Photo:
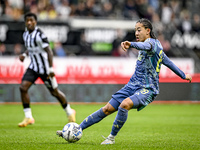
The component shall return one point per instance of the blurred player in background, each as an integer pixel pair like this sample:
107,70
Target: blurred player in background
142,87
41,66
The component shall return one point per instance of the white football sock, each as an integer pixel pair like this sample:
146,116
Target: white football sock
68,110
28,113
111,136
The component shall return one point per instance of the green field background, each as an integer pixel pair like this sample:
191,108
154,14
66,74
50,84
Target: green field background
157,127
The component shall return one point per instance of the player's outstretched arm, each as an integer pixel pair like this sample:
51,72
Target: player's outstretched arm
167,62
125,45
188,77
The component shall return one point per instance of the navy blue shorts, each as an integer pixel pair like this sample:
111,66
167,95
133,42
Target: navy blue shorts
141,97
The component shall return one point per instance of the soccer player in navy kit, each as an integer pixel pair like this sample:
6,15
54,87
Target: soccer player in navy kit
41,66
142,87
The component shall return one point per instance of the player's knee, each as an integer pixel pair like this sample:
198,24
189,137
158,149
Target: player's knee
108,110
23,89
127,104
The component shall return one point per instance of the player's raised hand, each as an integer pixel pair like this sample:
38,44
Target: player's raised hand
125,45
188,77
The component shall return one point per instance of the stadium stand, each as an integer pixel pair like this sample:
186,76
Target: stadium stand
177,24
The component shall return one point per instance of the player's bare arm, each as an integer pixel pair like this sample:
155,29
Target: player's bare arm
50,59
125,45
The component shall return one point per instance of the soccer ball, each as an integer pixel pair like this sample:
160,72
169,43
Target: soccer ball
72,132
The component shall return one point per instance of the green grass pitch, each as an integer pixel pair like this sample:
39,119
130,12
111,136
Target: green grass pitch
157,127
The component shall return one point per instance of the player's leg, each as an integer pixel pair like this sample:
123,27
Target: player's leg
108,109
97,116
52,85
71,113
119,121
27,80
139,100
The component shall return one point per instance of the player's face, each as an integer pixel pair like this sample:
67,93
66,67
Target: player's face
30,23
141,32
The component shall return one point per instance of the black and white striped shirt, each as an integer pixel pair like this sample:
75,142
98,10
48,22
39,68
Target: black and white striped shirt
35,43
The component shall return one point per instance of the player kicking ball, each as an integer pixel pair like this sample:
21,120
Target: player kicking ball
143,86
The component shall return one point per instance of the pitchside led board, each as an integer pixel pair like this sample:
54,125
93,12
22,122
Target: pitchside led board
92,79
87,70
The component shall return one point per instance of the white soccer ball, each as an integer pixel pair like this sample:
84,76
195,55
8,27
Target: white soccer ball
72,132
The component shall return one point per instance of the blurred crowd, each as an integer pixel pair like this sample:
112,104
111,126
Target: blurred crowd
166,15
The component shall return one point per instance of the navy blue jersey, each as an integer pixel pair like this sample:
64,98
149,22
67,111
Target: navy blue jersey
148,65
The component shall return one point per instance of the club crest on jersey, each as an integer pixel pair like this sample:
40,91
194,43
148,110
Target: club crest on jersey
140,56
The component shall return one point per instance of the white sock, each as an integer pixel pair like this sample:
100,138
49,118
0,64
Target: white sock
111,136
28,113
68,110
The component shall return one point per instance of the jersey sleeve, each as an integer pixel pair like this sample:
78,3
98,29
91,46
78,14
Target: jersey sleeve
141,45
42,40
24,38
167,62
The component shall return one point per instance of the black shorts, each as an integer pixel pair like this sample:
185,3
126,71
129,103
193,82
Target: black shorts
32,76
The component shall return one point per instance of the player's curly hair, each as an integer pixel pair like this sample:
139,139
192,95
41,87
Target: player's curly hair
147,24
29,14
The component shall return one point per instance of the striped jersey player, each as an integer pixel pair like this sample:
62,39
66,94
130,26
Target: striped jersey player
41,66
